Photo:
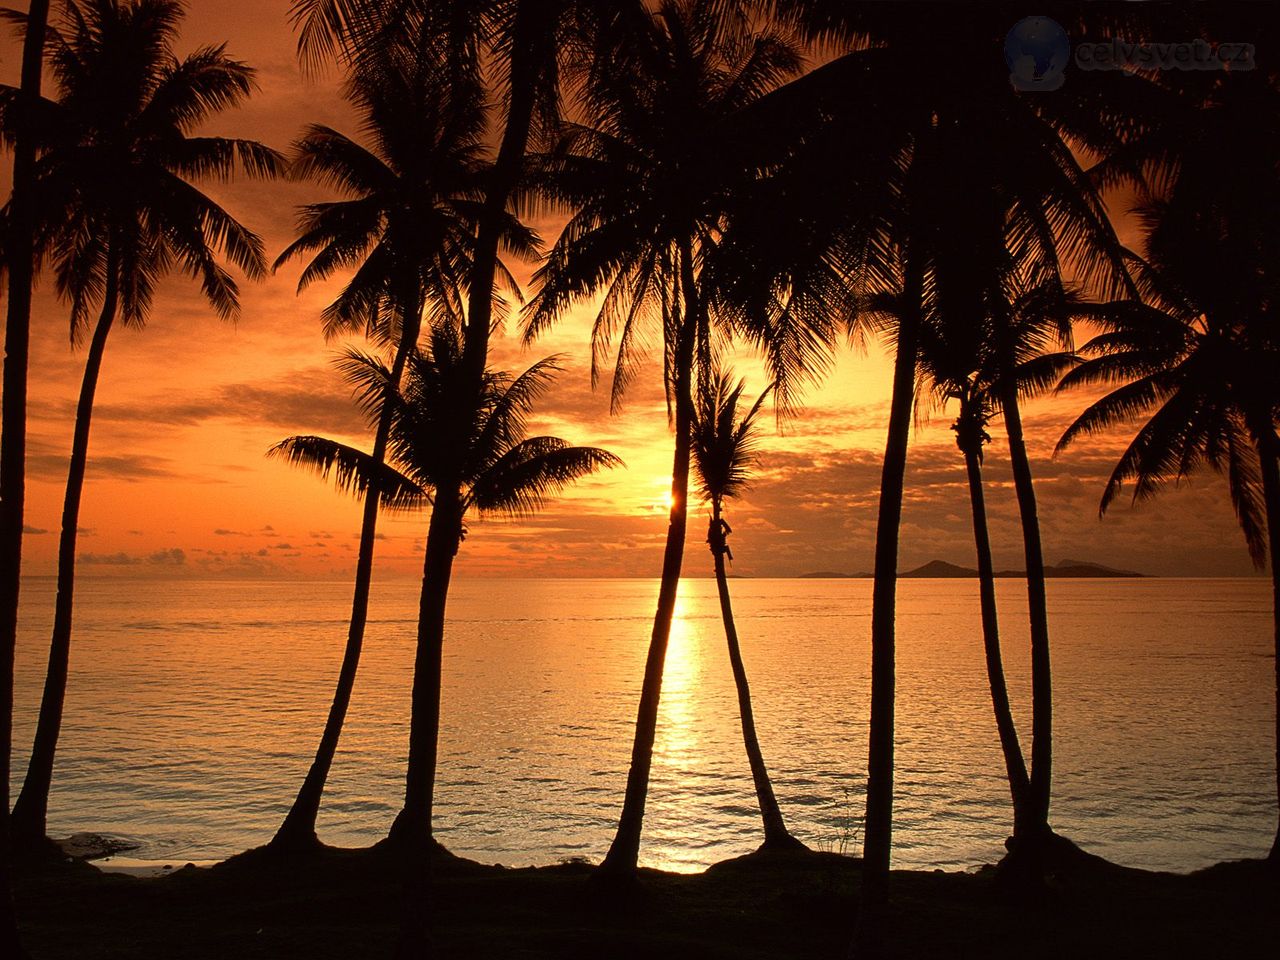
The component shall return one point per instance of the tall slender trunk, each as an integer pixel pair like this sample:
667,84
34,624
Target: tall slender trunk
624,852
878,828
1269,457
529,47
775,830
1015,764
412,827
298,831
411,835
20,249
1041,672
31,810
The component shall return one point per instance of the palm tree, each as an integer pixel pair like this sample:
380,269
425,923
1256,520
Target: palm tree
407,231
1202,375
723,454
1198,354
524,41
461,456
975,167
960,362
650,184
120,214
20,262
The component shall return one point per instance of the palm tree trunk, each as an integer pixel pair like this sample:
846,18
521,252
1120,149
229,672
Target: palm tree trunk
413,825
620,862
776,834
878,831
32,807
1015,764
298,831
1269,458
411,833
529,42
1041,672
13,428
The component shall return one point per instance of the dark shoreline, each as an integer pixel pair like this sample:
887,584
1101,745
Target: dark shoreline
345,903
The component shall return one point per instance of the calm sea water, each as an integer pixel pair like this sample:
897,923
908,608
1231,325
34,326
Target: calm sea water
194,708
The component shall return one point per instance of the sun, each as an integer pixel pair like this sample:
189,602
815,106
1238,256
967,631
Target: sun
660,500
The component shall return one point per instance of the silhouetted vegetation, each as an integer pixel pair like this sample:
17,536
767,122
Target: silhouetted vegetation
731,175
117,213
723,453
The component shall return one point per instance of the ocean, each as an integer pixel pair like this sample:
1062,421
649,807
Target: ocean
194,708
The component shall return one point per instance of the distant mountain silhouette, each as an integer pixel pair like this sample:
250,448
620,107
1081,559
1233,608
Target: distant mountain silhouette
939,570
942,570
1083,568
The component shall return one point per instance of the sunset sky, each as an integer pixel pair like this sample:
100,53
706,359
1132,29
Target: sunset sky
179,485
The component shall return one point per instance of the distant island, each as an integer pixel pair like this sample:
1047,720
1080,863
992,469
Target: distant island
942,570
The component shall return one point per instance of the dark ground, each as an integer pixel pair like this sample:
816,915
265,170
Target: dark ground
346,904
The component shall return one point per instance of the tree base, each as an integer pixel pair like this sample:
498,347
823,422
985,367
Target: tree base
783,843
36,850
291,842
1042,861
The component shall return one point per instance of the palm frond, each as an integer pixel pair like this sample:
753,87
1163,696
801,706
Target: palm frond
519,482
352,471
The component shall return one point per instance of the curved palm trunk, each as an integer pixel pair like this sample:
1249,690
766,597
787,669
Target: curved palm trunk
878,829
412,826
776,834
1041,672
13,433
1269,458
298,831
1015,764
529,41
624,852
32,807
411,834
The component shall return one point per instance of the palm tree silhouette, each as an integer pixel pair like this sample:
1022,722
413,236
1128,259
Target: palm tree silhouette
525,42
1202,374
723,454
968,167
1197,356
119,213
649,184
959,361
407,233
19,260
460,454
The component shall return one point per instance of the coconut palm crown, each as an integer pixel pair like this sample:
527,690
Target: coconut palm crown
438,438
724,443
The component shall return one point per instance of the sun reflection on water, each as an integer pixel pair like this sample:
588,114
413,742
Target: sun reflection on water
678,736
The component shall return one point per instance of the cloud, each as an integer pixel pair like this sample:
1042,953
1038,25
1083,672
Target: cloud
120,559
308,400
33,531
52,466
169,557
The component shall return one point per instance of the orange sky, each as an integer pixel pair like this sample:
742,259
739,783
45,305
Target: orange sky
178,484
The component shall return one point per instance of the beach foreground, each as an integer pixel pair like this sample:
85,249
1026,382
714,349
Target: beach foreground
345,903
